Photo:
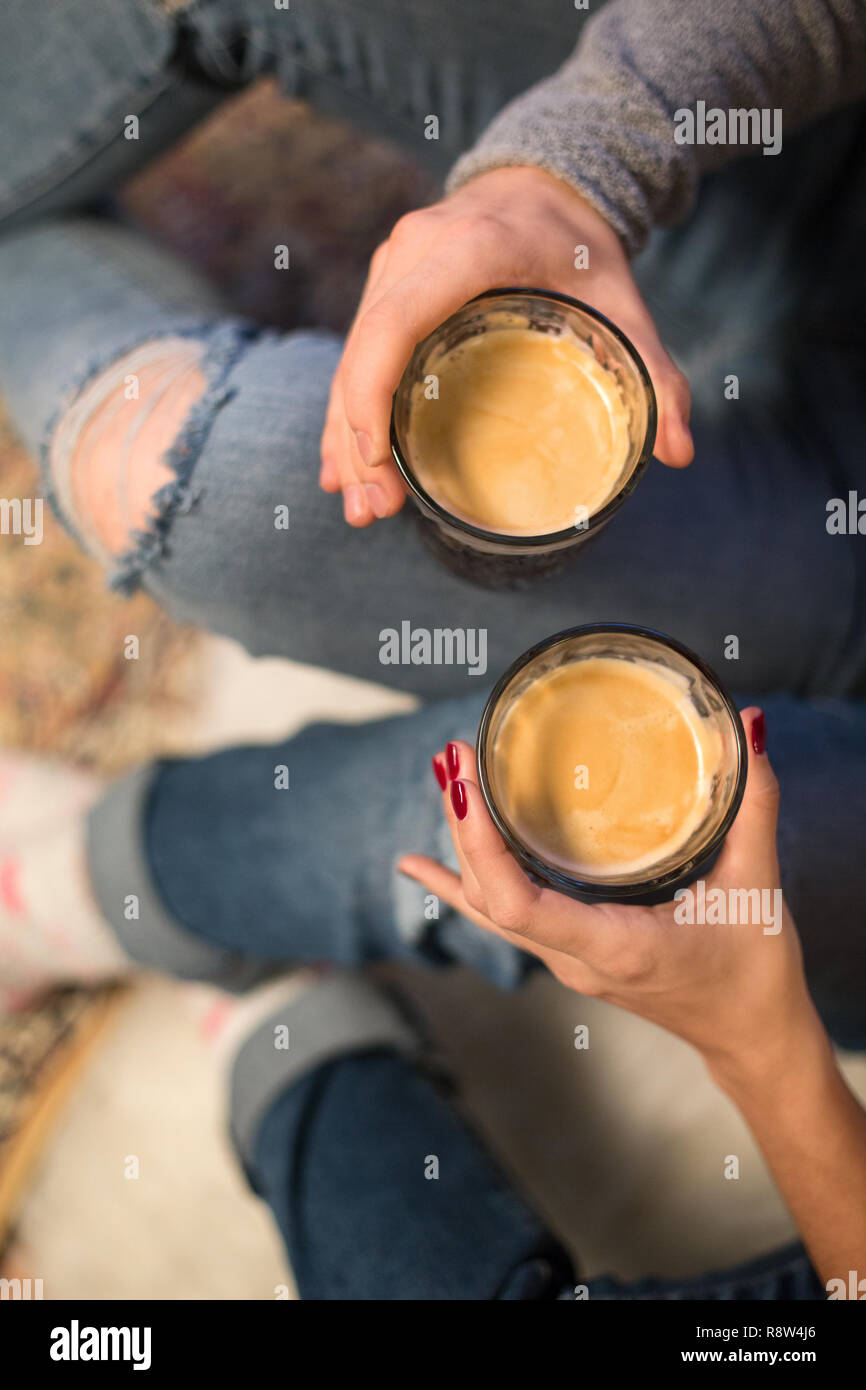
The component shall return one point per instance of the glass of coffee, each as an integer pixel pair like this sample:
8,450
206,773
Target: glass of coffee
521,424
613,763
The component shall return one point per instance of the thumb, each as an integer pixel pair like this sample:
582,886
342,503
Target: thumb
752,838
673,443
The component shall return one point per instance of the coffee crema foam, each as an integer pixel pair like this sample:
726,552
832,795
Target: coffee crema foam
629,732
528,434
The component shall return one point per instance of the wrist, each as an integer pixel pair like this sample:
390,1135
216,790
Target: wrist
539,187
795,1053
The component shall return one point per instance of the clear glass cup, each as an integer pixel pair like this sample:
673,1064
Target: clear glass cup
708,699
504,559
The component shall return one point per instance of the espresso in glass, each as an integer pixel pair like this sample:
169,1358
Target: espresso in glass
613,762
520,426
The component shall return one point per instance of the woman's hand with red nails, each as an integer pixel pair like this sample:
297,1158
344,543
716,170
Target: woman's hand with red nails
735,991
516,226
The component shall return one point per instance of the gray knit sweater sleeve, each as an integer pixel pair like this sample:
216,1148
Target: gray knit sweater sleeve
605,122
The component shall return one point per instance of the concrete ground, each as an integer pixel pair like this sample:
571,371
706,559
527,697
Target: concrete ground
623,1146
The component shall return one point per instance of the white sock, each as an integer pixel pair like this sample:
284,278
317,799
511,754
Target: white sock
224,1020
51,930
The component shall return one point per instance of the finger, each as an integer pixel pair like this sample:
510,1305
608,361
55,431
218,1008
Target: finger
369,494
461,771
366,496
459,759
508,895
384,488
338,472
442,765
615,292
563,930
329,475
751,841
673,443
504,891
445,884
356,506
448,886
393,324
332,438
559,924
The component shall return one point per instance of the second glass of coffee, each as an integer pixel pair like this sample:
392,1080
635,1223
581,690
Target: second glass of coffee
613,762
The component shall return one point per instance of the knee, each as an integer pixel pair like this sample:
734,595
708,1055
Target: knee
107,455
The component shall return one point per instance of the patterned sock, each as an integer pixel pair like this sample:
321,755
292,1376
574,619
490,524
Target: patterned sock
224,1020
51,930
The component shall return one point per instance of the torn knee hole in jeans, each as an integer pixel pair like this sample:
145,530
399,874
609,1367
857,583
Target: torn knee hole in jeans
120,455
107,451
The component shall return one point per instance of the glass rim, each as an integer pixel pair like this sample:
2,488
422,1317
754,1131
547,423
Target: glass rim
571,884
547,538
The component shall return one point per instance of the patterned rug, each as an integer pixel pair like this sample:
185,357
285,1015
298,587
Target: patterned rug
263,171
42,1052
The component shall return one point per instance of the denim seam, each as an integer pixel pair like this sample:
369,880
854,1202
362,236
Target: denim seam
87,145
709,1284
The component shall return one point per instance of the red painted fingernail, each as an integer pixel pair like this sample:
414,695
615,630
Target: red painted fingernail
452,753
759,733
459,800
440,773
